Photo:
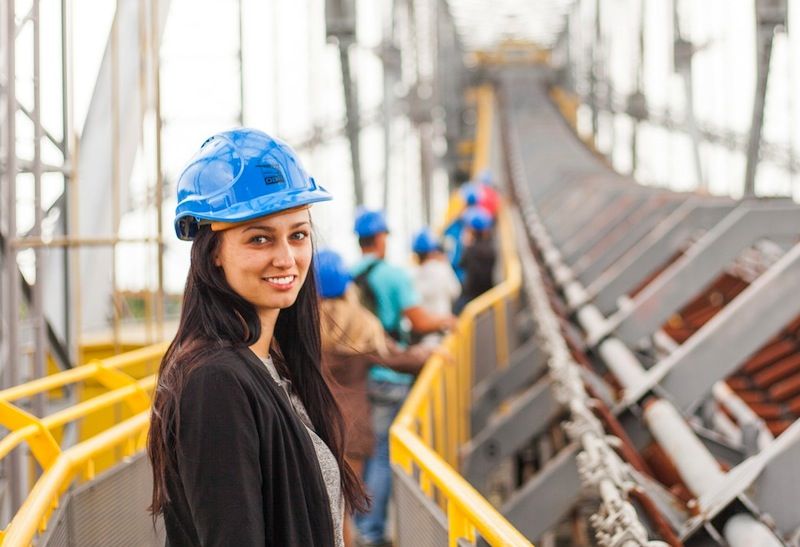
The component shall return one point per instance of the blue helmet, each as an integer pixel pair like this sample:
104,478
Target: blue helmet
240,175
485,177
477,218
368,223
425,242
332,274
471,192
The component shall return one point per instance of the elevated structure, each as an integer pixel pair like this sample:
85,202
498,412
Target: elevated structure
633,378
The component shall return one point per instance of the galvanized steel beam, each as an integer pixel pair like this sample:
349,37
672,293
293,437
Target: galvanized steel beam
701,263
593,264
602,225
558,483
527,417
724,343
527,363
655,249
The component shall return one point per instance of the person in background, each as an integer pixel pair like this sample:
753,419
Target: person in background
490,198
468,195
352,340
434,279
479,256
388,291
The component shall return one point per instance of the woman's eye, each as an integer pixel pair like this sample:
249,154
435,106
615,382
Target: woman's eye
259,239
300,235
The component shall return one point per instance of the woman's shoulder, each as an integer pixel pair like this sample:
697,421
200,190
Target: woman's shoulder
221,364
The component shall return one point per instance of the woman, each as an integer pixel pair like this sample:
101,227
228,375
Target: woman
353,340
246,442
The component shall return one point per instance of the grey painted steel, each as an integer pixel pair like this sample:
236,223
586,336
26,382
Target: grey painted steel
419,521
653,251
526,364
725,342
546,498
777,489
718,445
590,228
767,482
568,219
484,346
700,265
527,417
588,268
769,14
96,513
622,209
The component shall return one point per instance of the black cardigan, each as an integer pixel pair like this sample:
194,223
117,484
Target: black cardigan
247,470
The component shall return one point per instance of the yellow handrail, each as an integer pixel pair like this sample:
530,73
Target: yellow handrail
43,498
434,420
59,466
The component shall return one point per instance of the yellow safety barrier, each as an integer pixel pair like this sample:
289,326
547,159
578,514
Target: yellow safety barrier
59,467
434,420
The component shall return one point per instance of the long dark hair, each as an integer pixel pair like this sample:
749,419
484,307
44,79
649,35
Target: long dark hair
214,316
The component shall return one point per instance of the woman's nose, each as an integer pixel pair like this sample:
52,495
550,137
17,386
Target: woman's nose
284,256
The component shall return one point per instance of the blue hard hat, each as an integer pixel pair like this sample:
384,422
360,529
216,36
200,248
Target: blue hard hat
368,223
425,242
485,177
332,274
477,218
240,175
471,192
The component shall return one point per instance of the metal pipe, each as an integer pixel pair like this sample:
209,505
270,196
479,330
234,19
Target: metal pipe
743,530
66,149
70,241
144,63
155,51
743,413
764,38
115,177
37,298
353,125
697,467
240,57
11,373
619,359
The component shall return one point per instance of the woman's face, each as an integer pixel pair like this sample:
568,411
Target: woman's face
266,261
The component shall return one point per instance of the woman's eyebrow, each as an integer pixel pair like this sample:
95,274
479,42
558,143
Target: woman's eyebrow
271,229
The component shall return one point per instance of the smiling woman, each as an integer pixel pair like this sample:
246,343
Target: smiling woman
246,441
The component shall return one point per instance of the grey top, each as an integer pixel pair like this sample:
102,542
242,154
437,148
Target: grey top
327,462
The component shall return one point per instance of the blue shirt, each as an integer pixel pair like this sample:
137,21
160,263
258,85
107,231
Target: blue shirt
394,293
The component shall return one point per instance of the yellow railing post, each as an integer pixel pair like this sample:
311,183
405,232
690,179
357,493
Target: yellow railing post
44,447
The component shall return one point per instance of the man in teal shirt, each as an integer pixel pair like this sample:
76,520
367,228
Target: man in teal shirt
389,292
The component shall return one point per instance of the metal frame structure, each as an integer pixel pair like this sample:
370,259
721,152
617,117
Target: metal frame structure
662,387
48,317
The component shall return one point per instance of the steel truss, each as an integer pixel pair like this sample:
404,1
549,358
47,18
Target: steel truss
623,260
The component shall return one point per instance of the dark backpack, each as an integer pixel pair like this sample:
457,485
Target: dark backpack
365,291
368,298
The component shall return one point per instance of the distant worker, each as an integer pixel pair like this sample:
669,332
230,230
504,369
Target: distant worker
479,255
490,198
389,291
468,195
246,440
352,340
435,280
